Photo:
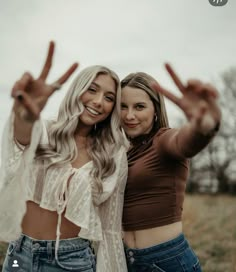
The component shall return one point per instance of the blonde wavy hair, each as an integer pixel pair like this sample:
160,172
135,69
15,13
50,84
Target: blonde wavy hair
107,138
144,82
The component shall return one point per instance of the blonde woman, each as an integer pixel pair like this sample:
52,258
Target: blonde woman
62,181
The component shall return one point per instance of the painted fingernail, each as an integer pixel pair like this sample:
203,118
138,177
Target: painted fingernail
20,97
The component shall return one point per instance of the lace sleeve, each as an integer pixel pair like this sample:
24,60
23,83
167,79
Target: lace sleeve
110,254
14,175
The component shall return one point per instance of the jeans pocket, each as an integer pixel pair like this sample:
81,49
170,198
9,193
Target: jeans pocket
78,260
189,261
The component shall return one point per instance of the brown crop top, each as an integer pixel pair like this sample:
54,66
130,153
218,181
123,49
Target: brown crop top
156,182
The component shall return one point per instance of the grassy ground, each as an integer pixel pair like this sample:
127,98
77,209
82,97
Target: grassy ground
210,226
3,248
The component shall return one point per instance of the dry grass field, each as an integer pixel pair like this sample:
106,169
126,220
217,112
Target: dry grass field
210,226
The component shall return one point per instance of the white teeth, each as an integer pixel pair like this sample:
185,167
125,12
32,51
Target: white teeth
92,111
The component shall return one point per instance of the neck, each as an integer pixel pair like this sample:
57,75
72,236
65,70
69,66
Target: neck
82,131
142,138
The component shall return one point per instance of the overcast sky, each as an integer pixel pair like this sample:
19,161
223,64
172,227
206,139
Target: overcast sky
125,35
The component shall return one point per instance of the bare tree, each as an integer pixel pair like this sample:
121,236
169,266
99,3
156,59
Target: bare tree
215,167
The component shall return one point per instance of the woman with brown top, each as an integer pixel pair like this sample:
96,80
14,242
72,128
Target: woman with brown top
158,169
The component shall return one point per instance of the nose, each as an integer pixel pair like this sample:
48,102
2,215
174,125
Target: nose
98,100
130,115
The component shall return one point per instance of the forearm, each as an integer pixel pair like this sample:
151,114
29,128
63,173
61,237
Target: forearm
191,141
22,128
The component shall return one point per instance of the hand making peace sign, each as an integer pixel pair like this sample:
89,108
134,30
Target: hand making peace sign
32,94
198,102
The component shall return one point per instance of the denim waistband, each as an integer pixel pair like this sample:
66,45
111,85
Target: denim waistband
50,245
165,249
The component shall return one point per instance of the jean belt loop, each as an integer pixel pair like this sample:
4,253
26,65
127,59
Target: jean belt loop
19,243
49,250
93,246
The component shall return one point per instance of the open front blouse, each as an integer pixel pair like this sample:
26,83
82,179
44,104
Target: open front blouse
22,178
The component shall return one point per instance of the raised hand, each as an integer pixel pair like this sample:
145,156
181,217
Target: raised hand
32,94
198,102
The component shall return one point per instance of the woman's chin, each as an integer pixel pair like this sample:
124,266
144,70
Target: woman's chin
132,134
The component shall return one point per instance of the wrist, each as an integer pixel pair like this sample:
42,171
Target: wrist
209,127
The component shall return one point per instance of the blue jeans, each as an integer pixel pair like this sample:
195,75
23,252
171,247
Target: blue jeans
30,255
172,256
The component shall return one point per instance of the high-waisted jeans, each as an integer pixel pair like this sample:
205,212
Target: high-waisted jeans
30,255
172,256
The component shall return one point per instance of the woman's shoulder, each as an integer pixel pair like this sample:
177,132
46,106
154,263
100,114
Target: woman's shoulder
120,158
46,125
164,134
165,131
119,151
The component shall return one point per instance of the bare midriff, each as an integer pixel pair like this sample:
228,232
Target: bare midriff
41,224
153,236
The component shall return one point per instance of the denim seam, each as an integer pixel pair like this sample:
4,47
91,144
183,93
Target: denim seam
196,265
163,251
166,259
44,249
9,253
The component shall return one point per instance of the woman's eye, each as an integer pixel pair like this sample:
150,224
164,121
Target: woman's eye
139,107
123,106
92,90
110,98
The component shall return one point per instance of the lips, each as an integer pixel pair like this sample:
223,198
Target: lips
131,125
92,111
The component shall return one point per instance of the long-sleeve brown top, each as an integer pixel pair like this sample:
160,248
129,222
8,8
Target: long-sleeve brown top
157,176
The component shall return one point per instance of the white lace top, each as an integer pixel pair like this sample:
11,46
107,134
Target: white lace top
21,179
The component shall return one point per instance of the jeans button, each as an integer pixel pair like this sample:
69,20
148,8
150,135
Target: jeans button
131,260
131,253
36,246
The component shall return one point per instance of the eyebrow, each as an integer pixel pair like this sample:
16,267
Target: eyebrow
135,104
98,86
142,103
